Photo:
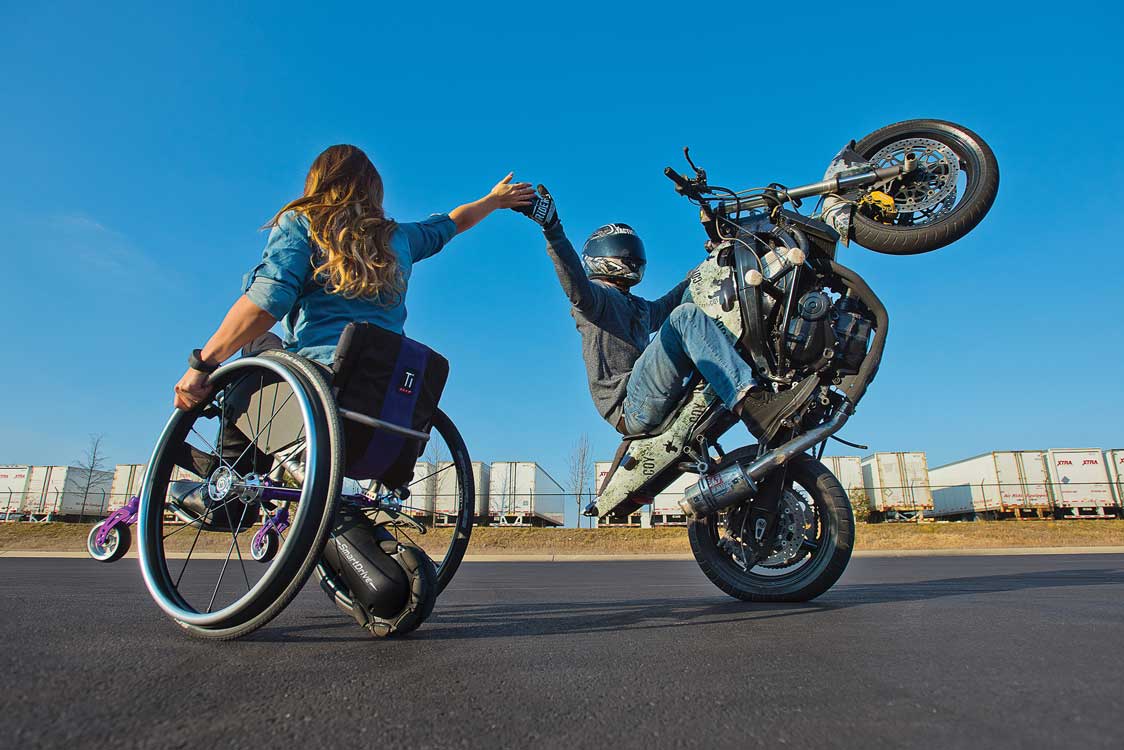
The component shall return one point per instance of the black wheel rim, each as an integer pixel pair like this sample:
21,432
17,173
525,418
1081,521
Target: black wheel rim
815,550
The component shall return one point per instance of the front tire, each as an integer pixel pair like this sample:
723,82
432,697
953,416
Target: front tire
117,543
267,550
932,227
800,579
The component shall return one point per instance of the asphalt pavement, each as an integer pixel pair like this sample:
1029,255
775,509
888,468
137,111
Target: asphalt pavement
943,652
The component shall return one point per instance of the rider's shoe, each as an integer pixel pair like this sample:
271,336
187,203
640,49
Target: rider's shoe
753,410
192,502
765,412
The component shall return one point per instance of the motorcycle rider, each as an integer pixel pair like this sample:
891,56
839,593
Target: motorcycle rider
636,380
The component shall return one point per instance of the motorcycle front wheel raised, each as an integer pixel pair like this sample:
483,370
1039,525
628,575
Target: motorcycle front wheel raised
950,192
815,536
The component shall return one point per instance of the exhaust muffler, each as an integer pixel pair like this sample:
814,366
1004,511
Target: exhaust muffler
738,482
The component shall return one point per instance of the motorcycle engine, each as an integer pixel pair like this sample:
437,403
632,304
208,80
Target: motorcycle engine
823,333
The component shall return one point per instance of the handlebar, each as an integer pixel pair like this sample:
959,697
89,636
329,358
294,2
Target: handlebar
683,186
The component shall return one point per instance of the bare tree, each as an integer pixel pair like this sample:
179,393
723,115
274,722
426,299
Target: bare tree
581,470
505,482
93,462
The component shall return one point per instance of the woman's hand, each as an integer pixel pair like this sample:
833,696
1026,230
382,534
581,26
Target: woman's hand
192,390
508,194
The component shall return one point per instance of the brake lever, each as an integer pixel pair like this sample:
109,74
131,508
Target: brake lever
700,174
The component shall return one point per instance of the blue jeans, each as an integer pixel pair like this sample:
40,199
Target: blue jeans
688,341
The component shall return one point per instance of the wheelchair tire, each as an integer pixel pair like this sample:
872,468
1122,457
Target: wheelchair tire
282,578
466,508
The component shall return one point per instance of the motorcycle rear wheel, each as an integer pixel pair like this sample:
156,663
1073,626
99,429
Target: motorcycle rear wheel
823,559
907,233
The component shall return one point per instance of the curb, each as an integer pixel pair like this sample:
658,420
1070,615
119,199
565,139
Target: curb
550,558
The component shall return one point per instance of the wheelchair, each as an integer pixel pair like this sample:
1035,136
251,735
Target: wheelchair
267,503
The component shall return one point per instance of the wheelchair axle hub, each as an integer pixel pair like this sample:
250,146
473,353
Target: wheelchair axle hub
220,483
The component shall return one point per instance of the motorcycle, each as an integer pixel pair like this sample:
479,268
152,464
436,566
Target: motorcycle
769,522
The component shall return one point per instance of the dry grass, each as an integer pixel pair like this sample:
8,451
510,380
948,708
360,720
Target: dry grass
500,541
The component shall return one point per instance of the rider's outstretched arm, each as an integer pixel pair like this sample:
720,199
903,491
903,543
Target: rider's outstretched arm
587,297
506,194
582,293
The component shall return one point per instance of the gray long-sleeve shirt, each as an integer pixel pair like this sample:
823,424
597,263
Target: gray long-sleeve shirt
615,326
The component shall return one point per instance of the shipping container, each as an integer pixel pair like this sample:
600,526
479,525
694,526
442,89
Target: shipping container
1114,459
999,482
849,471
897,483
521,492
1079,482
66,491
13,485
127,481
445,491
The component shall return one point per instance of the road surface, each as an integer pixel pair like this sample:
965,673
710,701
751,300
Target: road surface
921,652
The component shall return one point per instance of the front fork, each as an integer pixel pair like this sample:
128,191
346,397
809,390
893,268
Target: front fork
275,523
126,515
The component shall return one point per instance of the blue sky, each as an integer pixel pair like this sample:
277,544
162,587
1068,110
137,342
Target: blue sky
144,146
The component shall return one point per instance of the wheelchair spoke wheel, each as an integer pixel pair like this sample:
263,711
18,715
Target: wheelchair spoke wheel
439,512
265,438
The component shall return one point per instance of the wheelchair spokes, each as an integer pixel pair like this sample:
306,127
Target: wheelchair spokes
221,470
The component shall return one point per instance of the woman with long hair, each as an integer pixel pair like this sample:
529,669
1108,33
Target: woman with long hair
333,257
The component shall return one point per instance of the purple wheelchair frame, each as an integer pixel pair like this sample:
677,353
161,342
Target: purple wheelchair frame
275,523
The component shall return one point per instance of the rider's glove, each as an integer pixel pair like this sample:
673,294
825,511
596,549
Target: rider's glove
542,209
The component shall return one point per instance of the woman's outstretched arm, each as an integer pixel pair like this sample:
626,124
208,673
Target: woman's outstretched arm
506,194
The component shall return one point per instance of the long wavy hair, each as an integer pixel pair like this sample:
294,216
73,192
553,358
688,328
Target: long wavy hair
343,203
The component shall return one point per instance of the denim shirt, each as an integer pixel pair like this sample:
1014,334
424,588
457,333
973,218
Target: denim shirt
312,319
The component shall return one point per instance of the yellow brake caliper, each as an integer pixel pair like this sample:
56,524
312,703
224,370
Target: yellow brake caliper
878,206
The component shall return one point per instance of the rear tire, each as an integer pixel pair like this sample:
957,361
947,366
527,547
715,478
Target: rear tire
976,158
282,578
799,584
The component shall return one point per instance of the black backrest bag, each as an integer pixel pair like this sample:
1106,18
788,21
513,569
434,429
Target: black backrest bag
387,376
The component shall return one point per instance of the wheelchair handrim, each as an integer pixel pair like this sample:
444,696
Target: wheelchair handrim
153,561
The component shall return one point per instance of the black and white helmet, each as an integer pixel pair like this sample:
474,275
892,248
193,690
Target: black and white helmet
615,252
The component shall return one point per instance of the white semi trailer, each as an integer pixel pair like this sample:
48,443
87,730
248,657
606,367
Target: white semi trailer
849,471
1080,483
13,486
446,492
521,493
420,502
992,484
665,506
1114,460
897,484
127,481
59,491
